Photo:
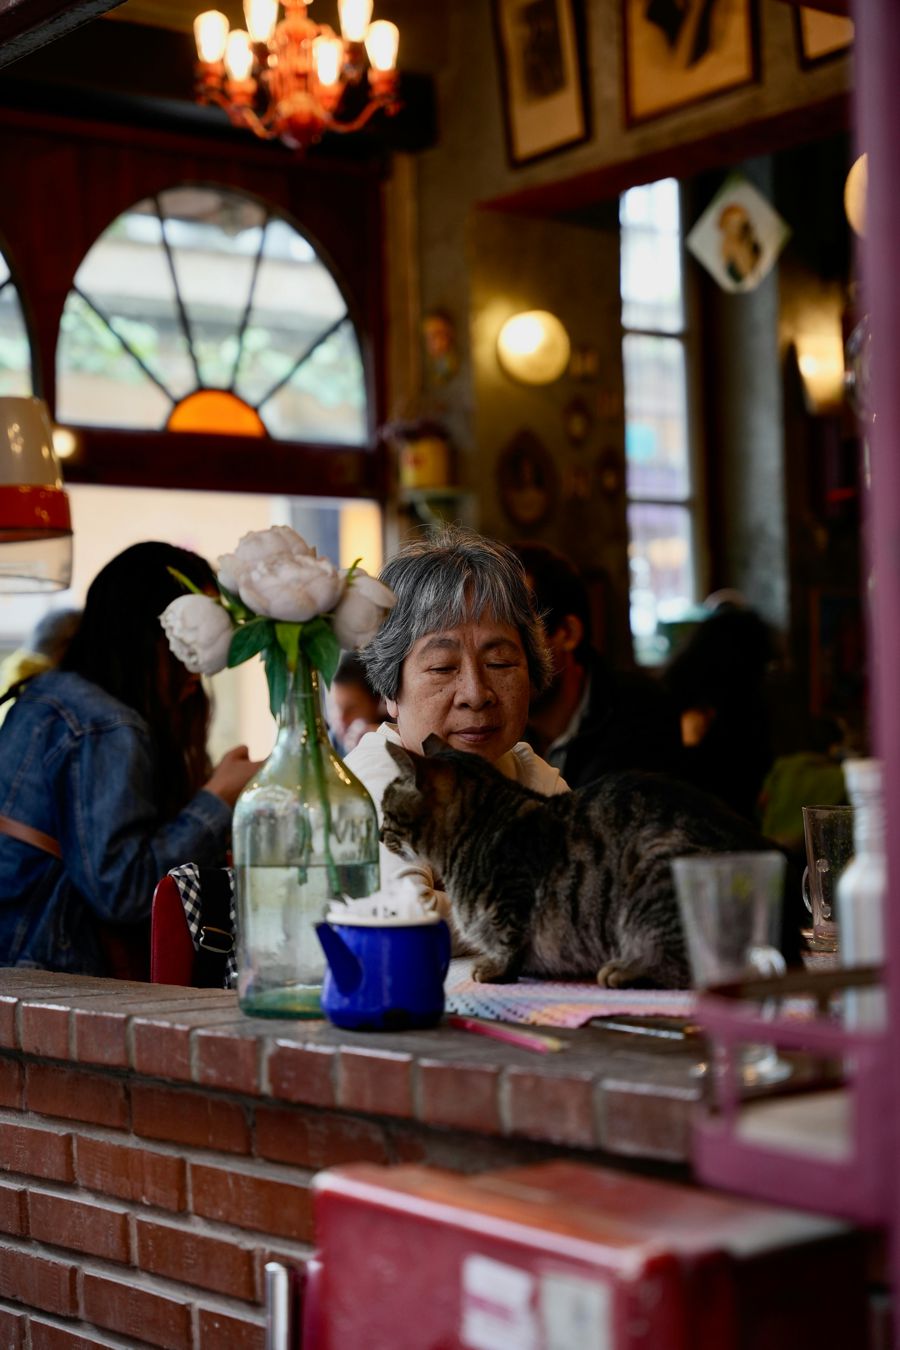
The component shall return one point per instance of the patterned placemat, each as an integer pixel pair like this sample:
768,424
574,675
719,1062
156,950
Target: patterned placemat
553,1003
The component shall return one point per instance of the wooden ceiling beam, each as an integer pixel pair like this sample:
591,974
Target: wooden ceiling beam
26,25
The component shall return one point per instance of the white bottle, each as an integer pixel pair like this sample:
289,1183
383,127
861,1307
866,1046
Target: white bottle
861,890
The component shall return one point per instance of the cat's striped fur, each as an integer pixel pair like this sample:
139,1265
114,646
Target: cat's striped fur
576,886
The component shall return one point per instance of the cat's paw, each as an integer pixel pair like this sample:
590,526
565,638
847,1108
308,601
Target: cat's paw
617,975
487,971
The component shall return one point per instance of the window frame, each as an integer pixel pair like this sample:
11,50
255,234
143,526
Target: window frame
88,173
695,501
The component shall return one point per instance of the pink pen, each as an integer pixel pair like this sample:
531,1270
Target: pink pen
528,1040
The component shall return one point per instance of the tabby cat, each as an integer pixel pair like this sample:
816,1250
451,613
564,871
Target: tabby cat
576,886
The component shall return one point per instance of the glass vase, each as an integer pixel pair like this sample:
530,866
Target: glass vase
305,833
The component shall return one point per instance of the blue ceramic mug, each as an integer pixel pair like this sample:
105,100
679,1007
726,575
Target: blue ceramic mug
384,974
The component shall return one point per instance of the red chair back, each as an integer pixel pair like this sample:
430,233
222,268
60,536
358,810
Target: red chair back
171,949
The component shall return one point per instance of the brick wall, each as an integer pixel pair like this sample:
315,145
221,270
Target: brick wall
156,1148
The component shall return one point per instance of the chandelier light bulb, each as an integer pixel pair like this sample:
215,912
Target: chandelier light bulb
239,55
329,58
382,45
211,35
286,76
261,17
355,16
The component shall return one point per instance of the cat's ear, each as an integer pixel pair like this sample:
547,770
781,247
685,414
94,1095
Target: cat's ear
403,759
433,745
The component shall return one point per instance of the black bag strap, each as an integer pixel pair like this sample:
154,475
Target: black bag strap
215,936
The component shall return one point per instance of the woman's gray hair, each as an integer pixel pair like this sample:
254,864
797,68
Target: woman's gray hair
446,580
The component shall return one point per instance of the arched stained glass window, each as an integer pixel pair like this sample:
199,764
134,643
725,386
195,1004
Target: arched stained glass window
15,348
201,310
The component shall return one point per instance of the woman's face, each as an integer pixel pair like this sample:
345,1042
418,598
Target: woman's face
469,684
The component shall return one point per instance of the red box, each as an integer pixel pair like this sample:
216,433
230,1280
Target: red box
563,1256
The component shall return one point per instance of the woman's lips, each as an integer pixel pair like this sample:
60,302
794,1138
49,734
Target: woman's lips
474,735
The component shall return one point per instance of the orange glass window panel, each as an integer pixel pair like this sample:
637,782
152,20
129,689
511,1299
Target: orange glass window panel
216,410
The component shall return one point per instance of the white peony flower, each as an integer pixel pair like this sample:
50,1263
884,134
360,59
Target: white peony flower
199,632
291,589
257,547
361,612
277,574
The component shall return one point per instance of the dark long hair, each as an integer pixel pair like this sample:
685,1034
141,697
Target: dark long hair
120,646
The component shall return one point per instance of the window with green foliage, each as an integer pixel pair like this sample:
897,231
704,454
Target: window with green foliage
200,309
15,348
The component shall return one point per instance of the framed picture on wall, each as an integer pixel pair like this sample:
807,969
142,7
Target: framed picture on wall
540,44
678,52
527,481
820,36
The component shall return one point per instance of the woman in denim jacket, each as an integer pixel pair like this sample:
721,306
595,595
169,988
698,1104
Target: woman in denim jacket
105,782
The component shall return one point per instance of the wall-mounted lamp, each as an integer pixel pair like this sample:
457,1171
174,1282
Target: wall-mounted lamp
35,524
855,191
820,358
533,347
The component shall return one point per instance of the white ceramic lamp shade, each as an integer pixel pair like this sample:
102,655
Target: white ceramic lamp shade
35,524
534,347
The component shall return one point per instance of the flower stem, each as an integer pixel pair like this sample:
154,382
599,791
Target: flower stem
309,692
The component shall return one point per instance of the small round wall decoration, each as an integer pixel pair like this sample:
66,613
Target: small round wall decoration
577,421
527,480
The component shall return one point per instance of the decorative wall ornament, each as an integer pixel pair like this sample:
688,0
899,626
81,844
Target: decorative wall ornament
739,236
439,342
577,421
678,52
527,480
539,43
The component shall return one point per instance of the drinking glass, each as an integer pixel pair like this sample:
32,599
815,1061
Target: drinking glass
828,832
730,907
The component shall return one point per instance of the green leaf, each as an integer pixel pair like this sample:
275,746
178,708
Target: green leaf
321,647
249,639
287,635
185,581
233,603
277,676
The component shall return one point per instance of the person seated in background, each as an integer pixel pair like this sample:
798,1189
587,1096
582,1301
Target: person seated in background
43,650
459,655
105,782
717,679
591,719
813,777
353,705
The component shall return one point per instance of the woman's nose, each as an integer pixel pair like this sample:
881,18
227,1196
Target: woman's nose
472,688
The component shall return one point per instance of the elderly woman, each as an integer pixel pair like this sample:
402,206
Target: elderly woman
460,655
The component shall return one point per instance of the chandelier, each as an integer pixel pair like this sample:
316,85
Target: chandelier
293,79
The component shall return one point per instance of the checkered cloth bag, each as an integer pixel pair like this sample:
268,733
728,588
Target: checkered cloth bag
211,939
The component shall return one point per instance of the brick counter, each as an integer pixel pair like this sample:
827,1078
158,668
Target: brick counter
157,1147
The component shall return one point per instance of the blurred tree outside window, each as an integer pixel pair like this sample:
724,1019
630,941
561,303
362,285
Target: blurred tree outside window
15,347
206,289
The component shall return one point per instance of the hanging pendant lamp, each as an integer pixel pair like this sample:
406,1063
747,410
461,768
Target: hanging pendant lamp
35,524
